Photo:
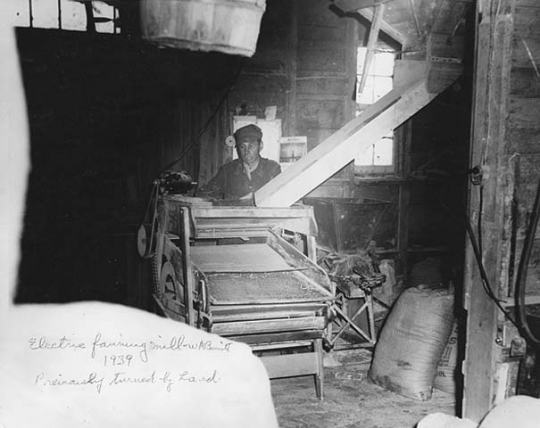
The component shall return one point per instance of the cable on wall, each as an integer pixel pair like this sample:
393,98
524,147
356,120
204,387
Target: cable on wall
197,139
522,272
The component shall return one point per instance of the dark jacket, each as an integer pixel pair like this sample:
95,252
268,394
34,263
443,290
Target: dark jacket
231,181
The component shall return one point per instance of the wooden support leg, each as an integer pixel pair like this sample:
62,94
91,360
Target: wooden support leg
319,376
349,323
311,250
371,319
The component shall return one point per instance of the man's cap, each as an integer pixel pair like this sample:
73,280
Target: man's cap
248,133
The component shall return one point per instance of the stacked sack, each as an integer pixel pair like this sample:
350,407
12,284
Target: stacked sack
412,341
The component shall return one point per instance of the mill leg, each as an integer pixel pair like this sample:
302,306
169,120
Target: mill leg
319,376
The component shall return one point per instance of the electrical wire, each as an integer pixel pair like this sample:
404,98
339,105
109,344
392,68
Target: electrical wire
153,231
153,199
483,275
478,256
196,140
520,322
478,250
480,216
153,193
522,272
521,275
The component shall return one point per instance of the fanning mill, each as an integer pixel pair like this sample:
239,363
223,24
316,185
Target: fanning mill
245,273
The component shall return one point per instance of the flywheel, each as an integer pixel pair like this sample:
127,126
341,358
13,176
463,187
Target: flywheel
146,242
169,286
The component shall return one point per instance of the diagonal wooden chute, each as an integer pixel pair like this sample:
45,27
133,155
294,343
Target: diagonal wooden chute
341,147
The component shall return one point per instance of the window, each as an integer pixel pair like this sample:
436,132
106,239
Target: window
62,14
378,158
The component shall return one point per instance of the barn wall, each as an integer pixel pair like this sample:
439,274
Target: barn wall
107,114
523,128
505,125
305,66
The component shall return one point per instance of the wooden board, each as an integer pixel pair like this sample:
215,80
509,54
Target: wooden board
526,22
523,112
527,3
526,50
238,258
264,288
408,70
283,338
525,83
291,365
372,41
449,15
491,86
523,140
268,326
240,220
262,314
385,27
340,148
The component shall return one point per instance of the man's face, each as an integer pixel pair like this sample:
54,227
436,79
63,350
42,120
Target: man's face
249,151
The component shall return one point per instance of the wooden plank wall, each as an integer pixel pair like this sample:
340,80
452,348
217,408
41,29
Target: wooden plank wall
305,66
326,75
264,80
506,144
523,128
326,61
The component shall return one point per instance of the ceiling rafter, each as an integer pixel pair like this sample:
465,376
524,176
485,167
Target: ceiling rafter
372,41
385,27
354,5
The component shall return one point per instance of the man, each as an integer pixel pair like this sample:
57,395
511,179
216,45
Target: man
241,177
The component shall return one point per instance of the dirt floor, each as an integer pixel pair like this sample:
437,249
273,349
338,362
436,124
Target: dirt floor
351,399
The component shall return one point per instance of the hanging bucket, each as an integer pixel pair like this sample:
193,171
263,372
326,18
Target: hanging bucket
226,26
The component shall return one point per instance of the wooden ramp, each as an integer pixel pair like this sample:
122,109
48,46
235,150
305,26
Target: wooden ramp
341,147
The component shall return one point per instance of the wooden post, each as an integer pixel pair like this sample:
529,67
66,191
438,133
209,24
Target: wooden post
385,27
403,228
403,161
372,42
188,272
292,47
492,73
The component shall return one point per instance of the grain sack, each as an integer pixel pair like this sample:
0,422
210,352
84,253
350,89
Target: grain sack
446,376
427,272
412,341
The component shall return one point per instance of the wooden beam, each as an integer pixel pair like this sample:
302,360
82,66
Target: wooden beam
405,71
354,5
385,27
372,41
445,53
415,18
291,105
483,368
450,15
268,326
403,228
341,147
